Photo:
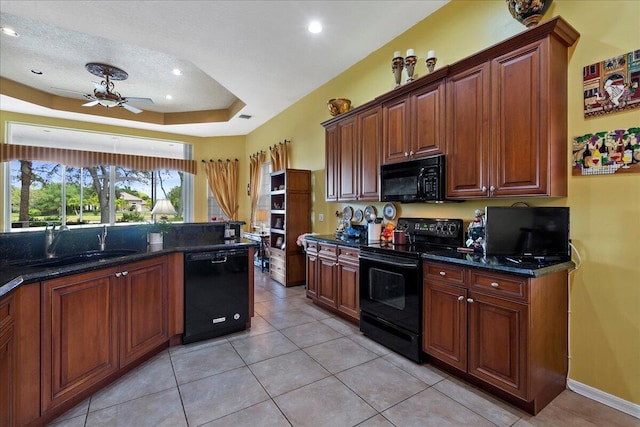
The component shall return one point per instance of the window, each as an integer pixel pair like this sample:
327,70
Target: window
44,191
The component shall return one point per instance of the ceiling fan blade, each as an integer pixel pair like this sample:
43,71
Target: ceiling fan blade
139,100
130,108
99,87
90,104
68,90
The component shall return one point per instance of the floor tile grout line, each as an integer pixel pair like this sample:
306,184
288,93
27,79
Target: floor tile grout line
175,377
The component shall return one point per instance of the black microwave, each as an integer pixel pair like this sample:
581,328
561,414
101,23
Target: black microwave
420,180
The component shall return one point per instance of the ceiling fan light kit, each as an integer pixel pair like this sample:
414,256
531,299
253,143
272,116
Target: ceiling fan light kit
104,92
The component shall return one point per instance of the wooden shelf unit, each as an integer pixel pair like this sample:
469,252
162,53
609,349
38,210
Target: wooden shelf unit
290,217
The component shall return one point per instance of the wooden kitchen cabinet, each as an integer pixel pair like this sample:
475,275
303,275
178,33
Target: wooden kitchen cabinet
348,282
96,323
352,150
144,296
503,332
7,362
414,126
333,278
79,334
311,271
507,118
331,162
468,133
327,268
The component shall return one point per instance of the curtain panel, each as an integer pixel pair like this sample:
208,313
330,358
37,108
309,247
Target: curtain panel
279,158
255,177
222,177
80,158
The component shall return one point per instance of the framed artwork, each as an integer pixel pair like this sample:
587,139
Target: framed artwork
611,85
607,152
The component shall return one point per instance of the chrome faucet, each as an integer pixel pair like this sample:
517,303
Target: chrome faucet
51,239
102,239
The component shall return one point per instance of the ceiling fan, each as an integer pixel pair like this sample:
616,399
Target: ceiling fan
104,92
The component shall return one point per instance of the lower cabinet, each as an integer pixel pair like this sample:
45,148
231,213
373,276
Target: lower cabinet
143,309
98,322
333,278
311,270
7,363
506,332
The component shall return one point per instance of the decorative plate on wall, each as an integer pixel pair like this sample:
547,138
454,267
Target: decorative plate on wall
347,213
389,211
358,215
370,213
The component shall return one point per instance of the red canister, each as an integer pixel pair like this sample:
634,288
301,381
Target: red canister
399,237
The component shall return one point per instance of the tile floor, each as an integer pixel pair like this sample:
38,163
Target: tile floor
301,366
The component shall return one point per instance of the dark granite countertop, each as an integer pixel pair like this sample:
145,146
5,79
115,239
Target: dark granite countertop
475,260
12,276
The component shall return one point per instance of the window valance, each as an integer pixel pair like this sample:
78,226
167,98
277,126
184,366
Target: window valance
80,158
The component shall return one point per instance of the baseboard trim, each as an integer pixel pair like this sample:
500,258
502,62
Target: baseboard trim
604,398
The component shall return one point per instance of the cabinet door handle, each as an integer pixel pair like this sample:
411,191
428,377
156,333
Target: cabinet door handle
469,300
492,188
411,153
484,189
494,284
460,298
124,273
118,274
406,154
442,273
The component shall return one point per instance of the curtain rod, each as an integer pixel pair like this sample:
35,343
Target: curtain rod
220,160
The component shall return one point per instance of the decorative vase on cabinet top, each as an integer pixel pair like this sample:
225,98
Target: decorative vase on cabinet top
528,12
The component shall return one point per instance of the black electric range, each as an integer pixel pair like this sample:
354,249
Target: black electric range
391,282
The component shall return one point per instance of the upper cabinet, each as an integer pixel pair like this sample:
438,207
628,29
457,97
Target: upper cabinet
499,116
507,117
414,124
353,157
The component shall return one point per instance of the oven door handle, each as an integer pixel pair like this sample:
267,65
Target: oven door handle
389,261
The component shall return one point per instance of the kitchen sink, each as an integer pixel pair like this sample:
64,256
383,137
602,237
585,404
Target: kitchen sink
86,256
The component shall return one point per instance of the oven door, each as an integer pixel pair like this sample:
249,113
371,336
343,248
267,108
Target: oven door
390,288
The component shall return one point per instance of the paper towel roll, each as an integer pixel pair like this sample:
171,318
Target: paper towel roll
373,232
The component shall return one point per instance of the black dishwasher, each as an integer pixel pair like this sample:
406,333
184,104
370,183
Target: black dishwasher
216,293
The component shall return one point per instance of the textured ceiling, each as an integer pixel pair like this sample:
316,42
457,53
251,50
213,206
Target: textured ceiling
246,57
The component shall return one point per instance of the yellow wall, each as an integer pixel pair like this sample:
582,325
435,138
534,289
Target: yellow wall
203,148
605,294
605,291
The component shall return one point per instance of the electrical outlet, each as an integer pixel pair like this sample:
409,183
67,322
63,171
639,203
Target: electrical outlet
320,217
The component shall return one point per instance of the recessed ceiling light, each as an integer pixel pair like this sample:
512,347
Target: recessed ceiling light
177,72
315,27
9,31
168,97
36,71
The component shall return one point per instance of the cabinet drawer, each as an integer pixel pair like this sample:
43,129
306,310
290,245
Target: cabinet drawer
448,272
275,263
276,255
327,251
312,247
6,312
511,287
348,254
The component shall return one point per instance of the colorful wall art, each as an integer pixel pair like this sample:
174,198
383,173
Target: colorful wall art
612,85
607,152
